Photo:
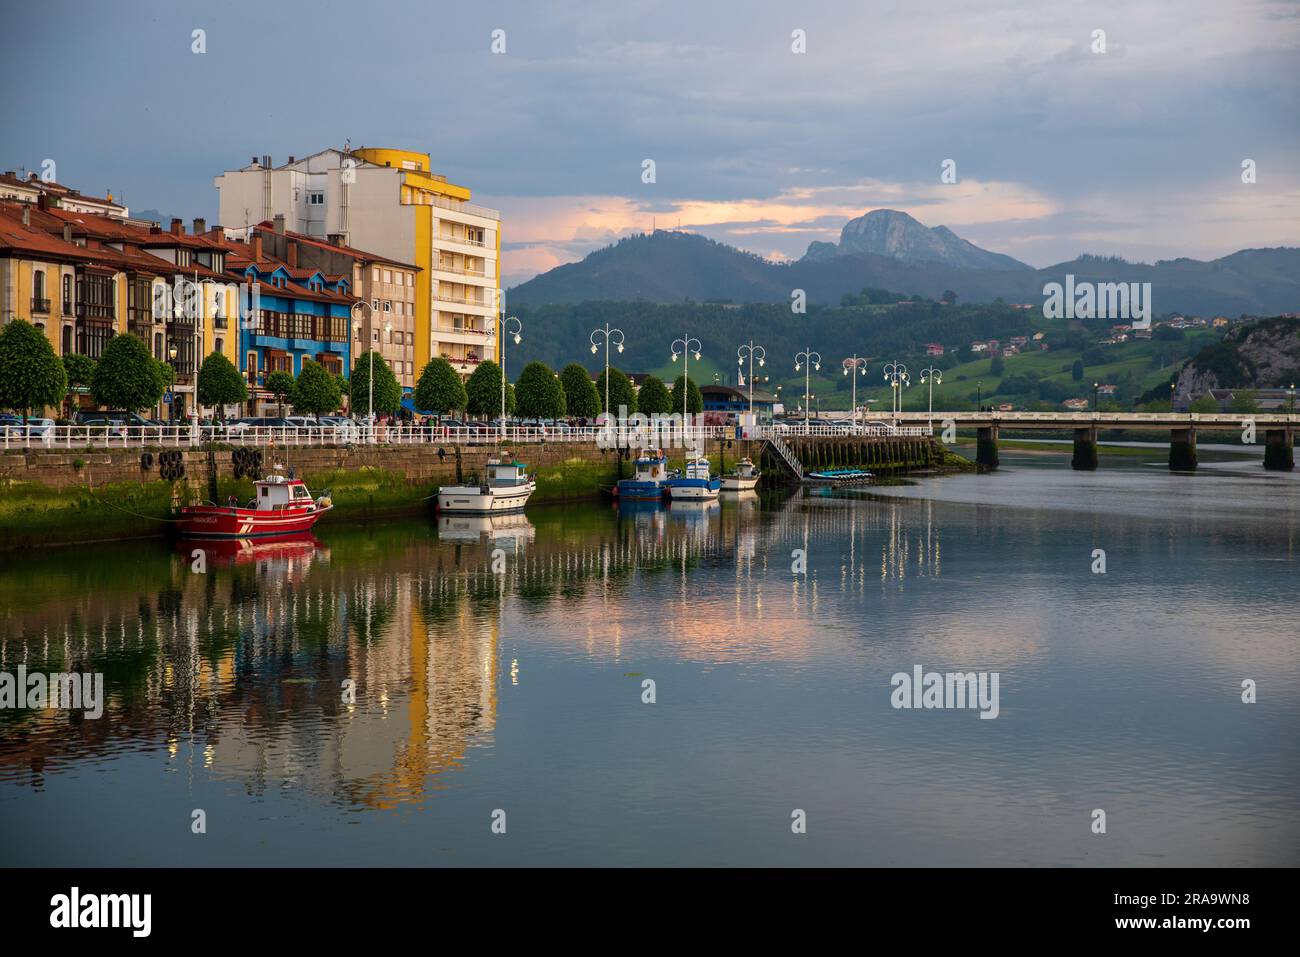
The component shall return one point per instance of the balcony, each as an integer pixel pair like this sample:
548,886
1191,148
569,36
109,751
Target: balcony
463,240
219,322
67,307
41,305
95,312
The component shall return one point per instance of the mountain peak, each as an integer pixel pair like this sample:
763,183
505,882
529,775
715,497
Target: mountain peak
896,234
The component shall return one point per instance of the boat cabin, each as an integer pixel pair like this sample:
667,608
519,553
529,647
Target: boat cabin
651,466
277,492
697,468
507,474
746,469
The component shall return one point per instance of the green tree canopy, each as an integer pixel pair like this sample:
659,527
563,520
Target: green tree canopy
31,375
79,369
540,395
220,383
653,397
580,398
1206,403
316,391
440,389
1076,370
483,392
621,392
388,394
997,365
126,376
694,401
281,384
344,385
1244,402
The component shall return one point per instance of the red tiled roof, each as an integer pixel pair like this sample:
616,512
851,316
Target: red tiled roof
267,226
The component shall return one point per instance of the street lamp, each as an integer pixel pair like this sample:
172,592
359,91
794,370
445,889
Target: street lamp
503,321
370,314
897,377
749,351
608,335
687,349
812,360
934,377
1095,387
979,402
854,363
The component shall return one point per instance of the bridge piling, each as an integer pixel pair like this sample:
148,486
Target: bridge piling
1279,450
1182,450
1085,450
986,447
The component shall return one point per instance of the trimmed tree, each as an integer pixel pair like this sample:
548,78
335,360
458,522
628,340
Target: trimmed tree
388,394
580,398
316,391
126,376
281,384
653,397
483,392
79,368
220,384
440,389
540,395
31,375
694,400
621,392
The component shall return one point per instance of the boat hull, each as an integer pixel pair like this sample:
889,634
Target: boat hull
215,521
472,500
734,483
696,490
631,490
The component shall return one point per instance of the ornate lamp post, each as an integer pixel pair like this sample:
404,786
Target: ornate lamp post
898,379
688,345
807,360
934,377
854,364
503,324
750,351
607,335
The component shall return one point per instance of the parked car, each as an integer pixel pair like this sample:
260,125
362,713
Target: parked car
40,428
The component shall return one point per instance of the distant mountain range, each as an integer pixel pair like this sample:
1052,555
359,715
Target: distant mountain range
887,249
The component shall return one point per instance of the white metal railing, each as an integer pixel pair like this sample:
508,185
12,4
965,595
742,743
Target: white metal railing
1231,420
869,429
784,451
147,436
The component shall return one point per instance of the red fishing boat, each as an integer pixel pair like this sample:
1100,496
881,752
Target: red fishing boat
280,506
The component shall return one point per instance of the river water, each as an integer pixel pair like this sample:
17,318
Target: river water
499,671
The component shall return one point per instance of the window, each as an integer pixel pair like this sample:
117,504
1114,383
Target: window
316,198
67,294
67,339
374,304
157,345
374,274
388,275
219,345
388,305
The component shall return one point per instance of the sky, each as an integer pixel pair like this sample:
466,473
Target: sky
1059,149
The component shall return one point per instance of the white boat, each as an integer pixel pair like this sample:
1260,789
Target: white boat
743,478
697,484
505,489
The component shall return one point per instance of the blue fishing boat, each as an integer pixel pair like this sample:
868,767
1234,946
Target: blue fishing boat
696,484
650,472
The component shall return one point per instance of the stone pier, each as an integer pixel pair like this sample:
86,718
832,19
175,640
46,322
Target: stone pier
1182,450
1279,450
986,447
1085,450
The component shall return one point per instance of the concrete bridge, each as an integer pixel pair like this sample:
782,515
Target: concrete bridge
1277,429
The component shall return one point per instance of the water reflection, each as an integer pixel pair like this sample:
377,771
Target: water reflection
508,680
